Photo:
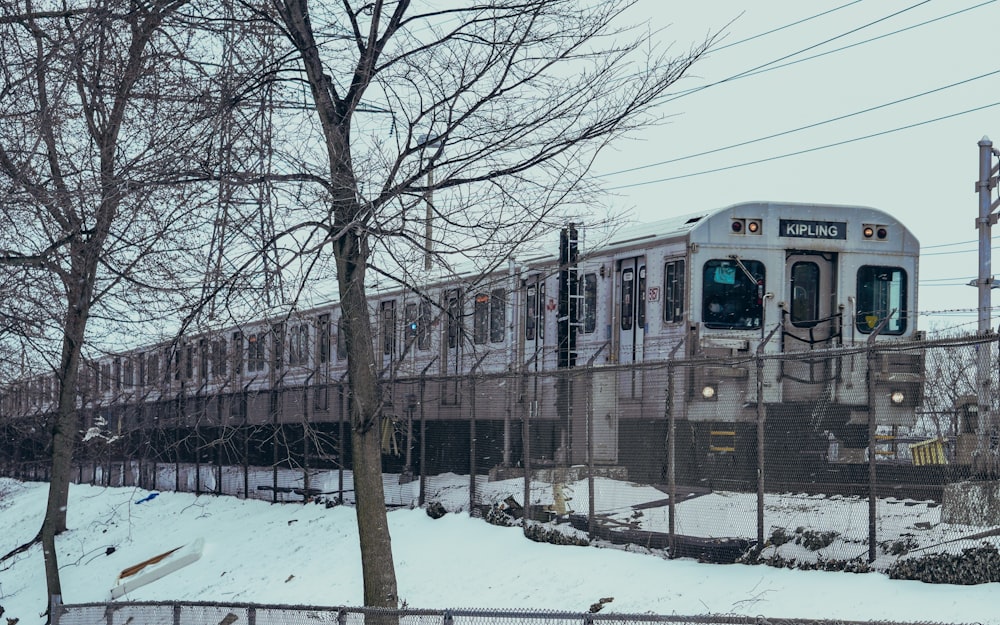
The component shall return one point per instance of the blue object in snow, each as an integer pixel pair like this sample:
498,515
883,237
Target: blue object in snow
149,497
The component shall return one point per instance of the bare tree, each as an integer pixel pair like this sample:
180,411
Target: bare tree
97,123
450,135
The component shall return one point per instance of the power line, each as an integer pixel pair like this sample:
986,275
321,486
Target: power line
789,25
806,151
927,247
752,70
800,128
767,67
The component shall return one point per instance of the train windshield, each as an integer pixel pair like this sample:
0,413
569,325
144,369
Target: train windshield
881,294
730,297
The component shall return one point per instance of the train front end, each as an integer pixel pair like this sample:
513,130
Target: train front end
803,318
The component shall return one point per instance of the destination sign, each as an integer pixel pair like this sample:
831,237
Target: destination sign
813,229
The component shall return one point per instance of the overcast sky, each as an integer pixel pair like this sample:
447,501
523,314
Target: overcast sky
761,81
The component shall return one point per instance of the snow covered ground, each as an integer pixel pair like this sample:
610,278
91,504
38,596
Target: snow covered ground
308,554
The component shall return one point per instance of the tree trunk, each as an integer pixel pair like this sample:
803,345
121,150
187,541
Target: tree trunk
377,565
64,430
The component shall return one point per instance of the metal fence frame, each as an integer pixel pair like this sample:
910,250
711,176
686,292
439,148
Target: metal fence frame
207,613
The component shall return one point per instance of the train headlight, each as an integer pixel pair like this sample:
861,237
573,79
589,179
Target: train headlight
897,397
708,392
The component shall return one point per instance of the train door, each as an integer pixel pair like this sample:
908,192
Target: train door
534,321
811,319
631,298
387,333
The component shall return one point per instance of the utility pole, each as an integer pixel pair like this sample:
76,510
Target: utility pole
985,458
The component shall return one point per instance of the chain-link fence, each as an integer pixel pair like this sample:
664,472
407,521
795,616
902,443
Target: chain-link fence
846,458
191,613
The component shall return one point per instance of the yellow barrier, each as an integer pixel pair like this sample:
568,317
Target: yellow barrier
928,452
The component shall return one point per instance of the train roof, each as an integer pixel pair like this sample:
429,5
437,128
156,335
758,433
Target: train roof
707,226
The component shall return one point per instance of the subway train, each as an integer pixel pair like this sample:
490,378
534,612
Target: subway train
672,343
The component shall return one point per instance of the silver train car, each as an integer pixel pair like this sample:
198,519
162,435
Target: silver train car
572,358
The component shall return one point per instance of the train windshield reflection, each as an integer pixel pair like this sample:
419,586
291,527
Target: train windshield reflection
730,299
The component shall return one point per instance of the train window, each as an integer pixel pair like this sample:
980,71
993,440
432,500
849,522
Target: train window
805,294
168,366
94,382
627,299
423,326
480,317
454,308
388,327
174,363
640,297
541,310
304,344
730,299
219,358
410,315
341,340
256,350
323,338
153,367
203,358
128,373
673,291
530,312
105,384
278,346
294,345
498,315
589,316
237,353
298,345
881,293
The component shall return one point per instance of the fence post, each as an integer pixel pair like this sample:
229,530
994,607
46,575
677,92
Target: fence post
423,445
871,357
423,433
671,451
472,442
530,405
761,413
306,431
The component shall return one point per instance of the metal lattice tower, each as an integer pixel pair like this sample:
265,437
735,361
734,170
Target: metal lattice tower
245,206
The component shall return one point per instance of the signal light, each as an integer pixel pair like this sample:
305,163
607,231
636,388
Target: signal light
875,231
746,226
